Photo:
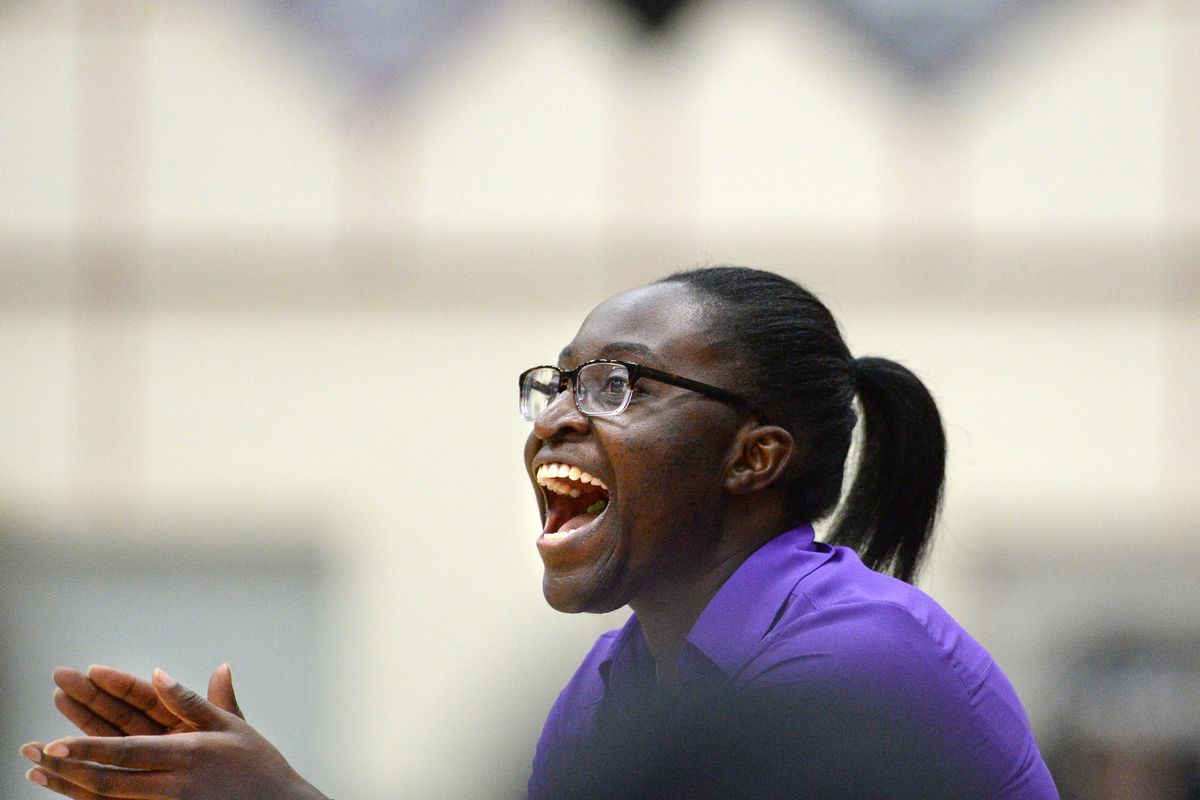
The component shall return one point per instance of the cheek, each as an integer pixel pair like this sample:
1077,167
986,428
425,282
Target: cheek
671,480
693,451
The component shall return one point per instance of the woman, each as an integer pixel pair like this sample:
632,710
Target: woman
688,437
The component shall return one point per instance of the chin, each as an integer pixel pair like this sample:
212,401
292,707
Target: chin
562,594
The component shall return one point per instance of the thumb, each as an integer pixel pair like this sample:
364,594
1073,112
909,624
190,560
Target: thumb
220,691
187,705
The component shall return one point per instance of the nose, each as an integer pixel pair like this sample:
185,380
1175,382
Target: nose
561,416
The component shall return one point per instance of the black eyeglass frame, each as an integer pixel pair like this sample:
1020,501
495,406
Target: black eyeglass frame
568,378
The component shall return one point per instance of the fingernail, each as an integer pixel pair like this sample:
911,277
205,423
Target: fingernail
32,753
36,777
163,679
57,750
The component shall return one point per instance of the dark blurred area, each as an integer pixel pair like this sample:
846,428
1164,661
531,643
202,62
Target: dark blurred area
1128,726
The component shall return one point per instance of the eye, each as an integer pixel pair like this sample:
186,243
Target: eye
615,384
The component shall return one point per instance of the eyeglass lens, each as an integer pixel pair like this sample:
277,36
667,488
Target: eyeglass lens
601,389
538,388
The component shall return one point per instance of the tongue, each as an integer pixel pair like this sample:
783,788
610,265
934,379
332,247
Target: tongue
577,522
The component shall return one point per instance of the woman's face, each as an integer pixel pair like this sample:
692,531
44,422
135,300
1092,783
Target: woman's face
661,461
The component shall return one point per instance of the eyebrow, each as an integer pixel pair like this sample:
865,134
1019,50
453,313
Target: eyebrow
612,349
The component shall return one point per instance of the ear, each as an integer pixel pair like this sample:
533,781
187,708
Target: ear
761,453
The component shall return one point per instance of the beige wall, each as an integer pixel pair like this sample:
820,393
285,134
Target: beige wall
232,290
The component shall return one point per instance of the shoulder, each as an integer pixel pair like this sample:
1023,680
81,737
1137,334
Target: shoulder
849,621
885,658
572,718
585,690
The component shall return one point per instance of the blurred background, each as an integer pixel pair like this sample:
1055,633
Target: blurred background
269,269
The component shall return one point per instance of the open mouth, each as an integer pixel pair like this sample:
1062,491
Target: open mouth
574,499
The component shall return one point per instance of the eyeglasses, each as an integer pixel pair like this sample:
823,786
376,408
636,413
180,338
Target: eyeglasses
603,388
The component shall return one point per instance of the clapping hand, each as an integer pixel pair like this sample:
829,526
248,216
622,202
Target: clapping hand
159,741
107,702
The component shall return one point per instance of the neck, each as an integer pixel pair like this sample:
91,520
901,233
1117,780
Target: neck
668,613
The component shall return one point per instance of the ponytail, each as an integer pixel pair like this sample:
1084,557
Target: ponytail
795,366
889,513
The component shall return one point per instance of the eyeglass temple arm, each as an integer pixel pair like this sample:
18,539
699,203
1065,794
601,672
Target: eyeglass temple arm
695,386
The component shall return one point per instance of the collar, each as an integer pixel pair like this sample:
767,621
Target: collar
734,622
747,606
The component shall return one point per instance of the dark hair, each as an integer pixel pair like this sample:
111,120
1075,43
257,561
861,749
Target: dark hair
798,370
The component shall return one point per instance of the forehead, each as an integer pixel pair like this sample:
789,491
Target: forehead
661,325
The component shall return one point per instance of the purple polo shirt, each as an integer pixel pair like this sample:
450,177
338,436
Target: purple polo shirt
864,677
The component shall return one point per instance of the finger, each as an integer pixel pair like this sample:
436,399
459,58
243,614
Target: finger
128,752
138,693
78,779
56,784
121,714
220,691
32,751
189,706
67,776
83,717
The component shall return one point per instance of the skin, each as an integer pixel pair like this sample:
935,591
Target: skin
693,492
108,702
693,481
158,740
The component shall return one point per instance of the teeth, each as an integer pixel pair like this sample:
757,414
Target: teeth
551,476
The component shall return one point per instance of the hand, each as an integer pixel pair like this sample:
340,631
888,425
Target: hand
108,702
220,758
